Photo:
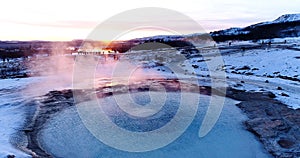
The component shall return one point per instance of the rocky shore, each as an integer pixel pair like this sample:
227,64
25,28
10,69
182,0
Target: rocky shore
275,125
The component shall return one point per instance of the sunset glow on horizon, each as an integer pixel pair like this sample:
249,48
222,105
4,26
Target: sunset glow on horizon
57,20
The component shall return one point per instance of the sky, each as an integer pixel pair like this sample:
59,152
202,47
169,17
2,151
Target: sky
61,20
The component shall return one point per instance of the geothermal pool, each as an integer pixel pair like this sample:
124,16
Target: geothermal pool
65,134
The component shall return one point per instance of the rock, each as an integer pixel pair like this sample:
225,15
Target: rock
195,66
11,156
267,81
286,143
201,61
279,88
274,124
289,78
26,130
238,85
234,72
265,127
271,95
242,81
284,94
243,68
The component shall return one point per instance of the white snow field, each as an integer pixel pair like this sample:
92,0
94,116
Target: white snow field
12,114
14,94
268,65
260,69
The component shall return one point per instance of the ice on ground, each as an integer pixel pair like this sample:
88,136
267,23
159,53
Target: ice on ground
12,114
11,120
13,94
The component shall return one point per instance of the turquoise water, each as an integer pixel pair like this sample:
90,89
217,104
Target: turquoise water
65,135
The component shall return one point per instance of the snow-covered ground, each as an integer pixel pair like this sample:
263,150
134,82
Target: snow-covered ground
12,113
274,69
14,94
267,66
272,63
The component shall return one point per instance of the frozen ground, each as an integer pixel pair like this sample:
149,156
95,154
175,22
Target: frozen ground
275,68
12,113
14,94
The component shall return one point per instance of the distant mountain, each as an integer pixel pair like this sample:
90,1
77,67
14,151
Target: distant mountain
285,26
287,18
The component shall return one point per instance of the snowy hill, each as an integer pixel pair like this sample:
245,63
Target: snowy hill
285,26
282,19
287,18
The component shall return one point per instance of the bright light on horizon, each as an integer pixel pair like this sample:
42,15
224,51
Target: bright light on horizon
58,20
